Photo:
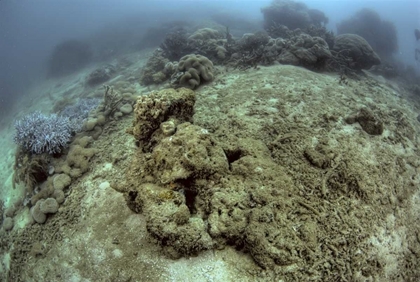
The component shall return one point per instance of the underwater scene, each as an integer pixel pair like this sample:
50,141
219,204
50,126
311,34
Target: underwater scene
176,140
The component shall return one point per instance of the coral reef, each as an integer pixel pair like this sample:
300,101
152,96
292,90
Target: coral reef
205,45
45,178
42,208
176,158
308,47
49,205
189,177
37,214
49,192
306,51
77,159
322,32
68,57
188,153
204,34
297,48
61,181
183,234
251,42
210,43
113,106
199,191
38,133
111,102
357,50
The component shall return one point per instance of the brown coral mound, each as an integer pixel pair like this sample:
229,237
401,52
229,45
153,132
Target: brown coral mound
357,50
306,50
197,69
367,120
198,192
157,107
273,183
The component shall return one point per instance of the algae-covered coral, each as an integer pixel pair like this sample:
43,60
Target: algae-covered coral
255,170
260,182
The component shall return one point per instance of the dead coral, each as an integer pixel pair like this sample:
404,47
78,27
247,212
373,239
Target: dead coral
368,121
157,107
169,220
190,153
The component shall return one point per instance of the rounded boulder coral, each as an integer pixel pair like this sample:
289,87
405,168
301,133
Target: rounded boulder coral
61,181
195,69
8,223
49,205
37,214
59,196
357,50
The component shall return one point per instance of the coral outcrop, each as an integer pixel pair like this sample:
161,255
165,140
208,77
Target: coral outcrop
190,152
205,34
151,111
369,122
209,42
168,193
305,50
198,192
195,70
357,50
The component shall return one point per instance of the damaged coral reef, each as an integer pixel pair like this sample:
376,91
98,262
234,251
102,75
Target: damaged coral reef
207,188
217,150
